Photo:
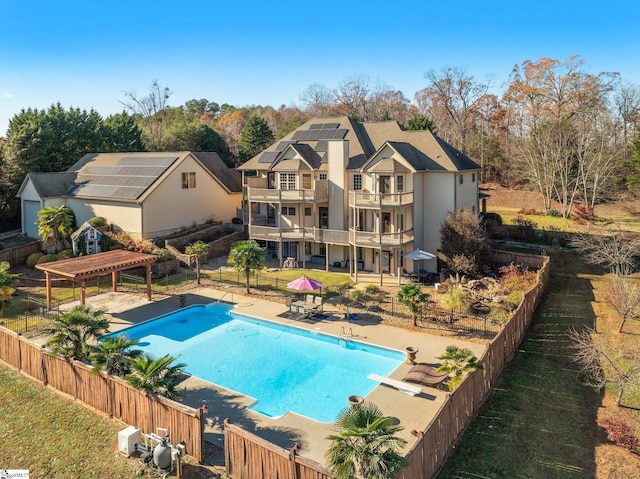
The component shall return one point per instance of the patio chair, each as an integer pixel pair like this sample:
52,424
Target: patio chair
425,375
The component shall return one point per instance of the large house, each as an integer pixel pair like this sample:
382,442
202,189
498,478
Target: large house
359,195
145,194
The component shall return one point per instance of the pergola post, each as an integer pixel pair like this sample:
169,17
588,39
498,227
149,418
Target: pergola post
114,281
83,284
47,277
148,268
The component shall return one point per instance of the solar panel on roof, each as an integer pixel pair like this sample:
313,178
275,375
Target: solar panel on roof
321,146
316,126
297,135
327,126
147,160
283,144
268,156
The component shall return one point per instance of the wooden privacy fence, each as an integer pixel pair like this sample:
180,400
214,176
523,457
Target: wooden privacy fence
429,453
18,255
248,456
106,394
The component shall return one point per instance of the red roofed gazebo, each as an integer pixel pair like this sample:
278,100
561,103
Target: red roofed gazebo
83,268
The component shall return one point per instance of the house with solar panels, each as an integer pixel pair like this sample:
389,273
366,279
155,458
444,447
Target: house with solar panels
147,195
358,195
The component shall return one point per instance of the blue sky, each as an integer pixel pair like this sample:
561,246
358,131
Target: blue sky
85,54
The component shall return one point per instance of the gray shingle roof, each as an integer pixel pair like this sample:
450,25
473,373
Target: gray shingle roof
422,149
50,185
229,177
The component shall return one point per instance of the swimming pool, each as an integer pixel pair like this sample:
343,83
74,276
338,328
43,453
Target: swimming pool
283,368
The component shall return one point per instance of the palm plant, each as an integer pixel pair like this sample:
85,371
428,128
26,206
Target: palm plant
71,332
113,355
156,376
246,256
365,445
55,224
411,296
7,283
458,361
199,248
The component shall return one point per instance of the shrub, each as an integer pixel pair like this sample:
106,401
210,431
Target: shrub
619,432
524,229
493,217
236,221
32,259
528,211
372,289
552,212
498,315
163,254
65,254
583,212
515,297
127,242
463,243
97,221
357,296
457,299
553,235
47,258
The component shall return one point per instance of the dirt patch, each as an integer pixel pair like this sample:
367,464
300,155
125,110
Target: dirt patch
623,205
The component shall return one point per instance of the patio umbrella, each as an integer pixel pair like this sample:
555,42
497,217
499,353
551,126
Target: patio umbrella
419,254
304,283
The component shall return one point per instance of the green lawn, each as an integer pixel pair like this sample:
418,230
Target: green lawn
537,422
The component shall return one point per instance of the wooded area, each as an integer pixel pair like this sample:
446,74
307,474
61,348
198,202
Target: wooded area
569,133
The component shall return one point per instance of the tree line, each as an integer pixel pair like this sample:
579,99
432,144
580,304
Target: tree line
569,133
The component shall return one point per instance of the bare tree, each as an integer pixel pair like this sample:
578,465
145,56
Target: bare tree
351,96
150,109
617,253
606,363
627,105
623,295
317,100
456,95
384,103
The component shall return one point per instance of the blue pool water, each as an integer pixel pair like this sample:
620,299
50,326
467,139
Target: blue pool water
282,368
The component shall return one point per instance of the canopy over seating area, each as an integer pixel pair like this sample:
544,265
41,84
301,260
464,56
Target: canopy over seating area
91,266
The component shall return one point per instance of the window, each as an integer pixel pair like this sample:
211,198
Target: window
400,222
290,211
473,177
307,248
385,184
323,250
287,181
255,208
189,180
307,211
271,180
323,176
357,182
306,181
461,179
400,183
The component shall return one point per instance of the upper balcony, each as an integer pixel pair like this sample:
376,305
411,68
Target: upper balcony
364,199
318,235
370,239
262,194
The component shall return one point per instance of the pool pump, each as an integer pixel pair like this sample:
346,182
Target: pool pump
158,452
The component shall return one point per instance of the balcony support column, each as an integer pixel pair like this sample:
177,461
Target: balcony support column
326,259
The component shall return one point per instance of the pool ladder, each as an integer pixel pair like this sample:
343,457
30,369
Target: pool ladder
226,293
345,335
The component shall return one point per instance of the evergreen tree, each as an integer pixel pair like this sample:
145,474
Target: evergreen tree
121,133
254,138
421,122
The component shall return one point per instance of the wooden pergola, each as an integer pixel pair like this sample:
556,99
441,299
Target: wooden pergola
83,268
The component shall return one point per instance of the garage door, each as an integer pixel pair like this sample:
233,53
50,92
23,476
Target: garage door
30,215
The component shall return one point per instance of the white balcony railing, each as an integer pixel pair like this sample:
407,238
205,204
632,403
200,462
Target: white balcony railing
316,235
365,239
364,199
370,239
266,195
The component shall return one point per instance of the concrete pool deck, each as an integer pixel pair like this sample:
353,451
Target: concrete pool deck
412,412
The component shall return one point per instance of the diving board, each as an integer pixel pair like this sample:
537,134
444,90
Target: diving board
409,389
